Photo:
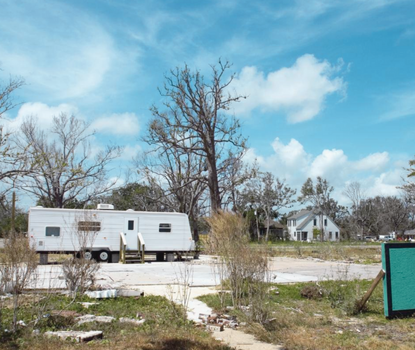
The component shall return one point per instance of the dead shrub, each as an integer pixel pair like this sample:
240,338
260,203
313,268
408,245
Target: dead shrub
312,292
79,274
245,270
18,264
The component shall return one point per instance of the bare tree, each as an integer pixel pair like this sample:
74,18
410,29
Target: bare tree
270,195
13,162
409,186
176,180
66,172
193,121
318,195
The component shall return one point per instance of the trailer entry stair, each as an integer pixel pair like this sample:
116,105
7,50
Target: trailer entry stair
132,255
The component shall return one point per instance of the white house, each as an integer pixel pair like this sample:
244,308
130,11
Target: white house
302,224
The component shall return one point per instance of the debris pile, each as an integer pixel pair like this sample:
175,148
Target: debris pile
217,323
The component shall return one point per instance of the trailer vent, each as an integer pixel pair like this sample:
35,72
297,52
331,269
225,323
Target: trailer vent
103,206
40,243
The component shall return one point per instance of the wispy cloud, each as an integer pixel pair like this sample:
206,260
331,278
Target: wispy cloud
62,52
399,105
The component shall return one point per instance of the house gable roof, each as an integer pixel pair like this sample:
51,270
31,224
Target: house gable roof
302,212
306,220
311,215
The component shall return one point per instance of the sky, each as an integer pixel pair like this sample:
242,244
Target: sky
330,84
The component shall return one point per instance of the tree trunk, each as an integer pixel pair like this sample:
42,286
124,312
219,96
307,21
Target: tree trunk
213,183
267,234
257,227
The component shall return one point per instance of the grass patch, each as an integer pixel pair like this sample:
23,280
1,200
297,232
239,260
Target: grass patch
361,253
165,328
327,322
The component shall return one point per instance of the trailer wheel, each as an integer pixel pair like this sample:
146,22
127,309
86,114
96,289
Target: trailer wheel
88,255
103,256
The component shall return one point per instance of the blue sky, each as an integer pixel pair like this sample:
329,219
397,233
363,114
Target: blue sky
330,84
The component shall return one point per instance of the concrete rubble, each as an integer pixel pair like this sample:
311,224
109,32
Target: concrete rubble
92,318
131,320
75,335
217,323
102,294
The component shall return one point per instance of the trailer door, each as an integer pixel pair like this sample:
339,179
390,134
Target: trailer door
130,232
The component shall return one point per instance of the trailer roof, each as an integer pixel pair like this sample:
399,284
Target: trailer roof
38,208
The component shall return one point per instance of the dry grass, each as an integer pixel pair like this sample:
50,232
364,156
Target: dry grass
163,329
302,324
361,254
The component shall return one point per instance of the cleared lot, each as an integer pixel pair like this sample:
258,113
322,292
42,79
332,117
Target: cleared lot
283,270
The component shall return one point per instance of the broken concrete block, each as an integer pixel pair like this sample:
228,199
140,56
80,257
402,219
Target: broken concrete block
130,293
93,318
77,336
102,294
131,320
86,305
214,327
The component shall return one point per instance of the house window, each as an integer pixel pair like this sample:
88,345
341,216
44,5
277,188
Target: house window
53,231
130,225
295,234
294,222
337,235
325,222
165,228
330,235
315,222
89,226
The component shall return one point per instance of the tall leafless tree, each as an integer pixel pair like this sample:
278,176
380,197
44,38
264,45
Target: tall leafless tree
176,179
66,172
12,161
193,121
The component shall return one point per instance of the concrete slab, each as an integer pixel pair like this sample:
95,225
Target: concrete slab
75,335
283,270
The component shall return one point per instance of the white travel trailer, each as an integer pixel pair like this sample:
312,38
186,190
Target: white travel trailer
109,235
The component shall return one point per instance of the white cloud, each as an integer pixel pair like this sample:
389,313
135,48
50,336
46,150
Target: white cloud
42,112
118,124
129,152
385,184
377,174
299,90
374,162
328,164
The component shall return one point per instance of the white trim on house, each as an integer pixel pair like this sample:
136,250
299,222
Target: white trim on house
301,226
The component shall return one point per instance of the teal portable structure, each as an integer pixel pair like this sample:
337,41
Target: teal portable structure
398,262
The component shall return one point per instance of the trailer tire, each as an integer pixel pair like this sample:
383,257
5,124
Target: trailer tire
88,255
103,256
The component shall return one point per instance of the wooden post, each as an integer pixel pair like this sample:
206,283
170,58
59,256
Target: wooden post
366,297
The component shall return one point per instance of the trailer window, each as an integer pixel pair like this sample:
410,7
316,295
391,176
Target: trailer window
92,226
130,225
165,228
53,231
